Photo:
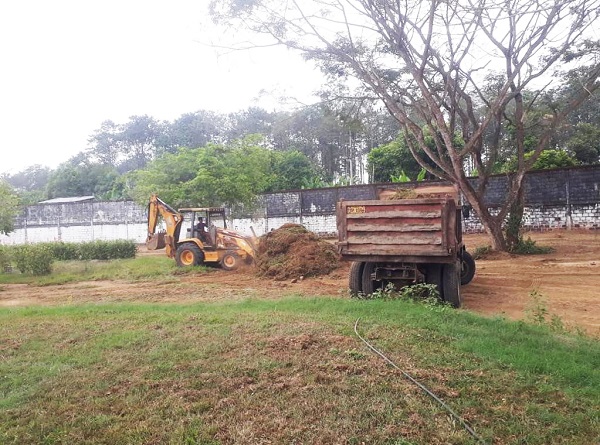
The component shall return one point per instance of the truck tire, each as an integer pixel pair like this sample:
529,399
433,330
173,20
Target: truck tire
189,254
451,284
369,285
355,278
230,261
433,275
467,268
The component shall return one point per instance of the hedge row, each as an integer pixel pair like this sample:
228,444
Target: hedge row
95,250
38,258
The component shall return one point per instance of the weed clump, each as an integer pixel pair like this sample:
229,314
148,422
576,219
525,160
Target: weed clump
292,251
529,247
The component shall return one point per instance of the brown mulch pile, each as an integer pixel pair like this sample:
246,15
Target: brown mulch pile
293,252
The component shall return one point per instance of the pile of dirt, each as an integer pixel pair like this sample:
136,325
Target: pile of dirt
293,252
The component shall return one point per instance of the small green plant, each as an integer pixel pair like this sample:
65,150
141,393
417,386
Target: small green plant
420,292
402,177
388,292
529,247
537,310
354,354
481,252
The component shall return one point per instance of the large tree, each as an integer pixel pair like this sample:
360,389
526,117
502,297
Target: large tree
229,174
428,61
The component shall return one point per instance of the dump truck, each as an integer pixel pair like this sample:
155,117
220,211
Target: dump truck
197,235
407,236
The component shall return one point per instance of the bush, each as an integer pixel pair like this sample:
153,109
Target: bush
107,250
529,247
35,259
94,250
4,259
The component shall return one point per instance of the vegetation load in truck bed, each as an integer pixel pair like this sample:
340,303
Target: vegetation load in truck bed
292,251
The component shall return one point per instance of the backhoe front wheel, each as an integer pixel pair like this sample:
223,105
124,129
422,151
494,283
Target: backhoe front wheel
230,261
189,254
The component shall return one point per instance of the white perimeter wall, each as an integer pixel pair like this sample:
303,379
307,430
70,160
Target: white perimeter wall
535,218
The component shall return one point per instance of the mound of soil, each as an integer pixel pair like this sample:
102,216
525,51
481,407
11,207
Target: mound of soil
292,252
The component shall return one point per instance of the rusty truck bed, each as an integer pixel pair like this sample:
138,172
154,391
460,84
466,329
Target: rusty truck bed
404,230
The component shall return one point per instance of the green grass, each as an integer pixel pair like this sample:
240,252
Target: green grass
289,371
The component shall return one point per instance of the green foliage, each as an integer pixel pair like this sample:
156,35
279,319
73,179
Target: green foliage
584,144
5,258
547,159
93,250
390,160
422,292
290,170
33,258
402,177
481,252
216,175
529,247
9,207
82,179
37,259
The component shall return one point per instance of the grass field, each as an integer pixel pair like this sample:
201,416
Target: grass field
288,371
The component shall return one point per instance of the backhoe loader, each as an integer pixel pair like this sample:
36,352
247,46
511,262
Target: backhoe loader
202,241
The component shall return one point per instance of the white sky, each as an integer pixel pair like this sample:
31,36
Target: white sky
68,65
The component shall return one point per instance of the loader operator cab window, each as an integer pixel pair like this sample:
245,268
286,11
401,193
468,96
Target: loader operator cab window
202,231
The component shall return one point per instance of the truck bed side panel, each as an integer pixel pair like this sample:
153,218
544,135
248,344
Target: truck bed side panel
396,228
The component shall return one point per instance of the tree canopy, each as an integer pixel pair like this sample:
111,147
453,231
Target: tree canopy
430,63
227,174
9,207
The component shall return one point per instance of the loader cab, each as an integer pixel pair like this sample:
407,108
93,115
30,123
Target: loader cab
202,223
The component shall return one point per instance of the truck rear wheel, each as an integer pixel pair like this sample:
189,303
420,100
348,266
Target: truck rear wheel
355,278
467,268
451,284
370,285
189,254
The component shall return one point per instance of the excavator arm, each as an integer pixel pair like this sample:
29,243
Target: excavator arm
172,219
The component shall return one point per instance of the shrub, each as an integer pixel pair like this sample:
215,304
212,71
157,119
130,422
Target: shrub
529,247
94,250
481,252
107,250
4,259
35,259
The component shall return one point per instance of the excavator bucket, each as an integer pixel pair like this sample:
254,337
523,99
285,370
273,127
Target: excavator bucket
156,241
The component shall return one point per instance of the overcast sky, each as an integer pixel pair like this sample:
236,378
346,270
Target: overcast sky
68,65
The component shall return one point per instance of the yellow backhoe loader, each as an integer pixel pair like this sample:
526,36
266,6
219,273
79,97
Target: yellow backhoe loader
193,238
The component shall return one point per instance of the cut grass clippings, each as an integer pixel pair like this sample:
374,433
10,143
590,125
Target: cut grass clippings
289,371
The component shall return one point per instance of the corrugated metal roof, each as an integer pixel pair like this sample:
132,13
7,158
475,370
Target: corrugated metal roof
67,200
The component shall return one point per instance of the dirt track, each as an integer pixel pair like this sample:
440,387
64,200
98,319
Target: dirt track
568,281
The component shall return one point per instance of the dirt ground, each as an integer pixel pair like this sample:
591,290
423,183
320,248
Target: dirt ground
567,280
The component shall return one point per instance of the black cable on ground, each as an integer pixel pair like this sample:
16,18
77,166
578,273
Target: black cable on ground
420,385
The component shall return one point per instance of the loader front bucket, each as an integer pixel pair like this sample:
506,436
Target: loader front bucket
156,241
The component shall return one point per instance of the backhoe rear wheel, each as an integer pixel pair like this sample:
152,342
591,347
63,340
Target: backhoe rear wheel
230,261
189,254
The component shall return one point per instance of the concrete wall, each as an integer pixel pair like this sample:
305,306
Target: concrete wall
562,198
79,222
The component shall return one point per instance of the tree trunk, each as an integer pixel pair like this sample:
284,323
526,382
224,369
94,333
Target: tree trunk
514,222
